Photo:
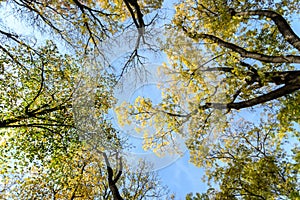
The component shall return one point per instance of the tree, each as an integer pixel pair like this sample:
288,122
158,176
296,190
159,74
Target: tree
252,162
227,56
85,175
82,26
46,150
78,23
37,96
43,133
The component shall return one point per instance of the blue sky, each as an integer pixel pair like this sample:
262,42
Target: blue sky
175,171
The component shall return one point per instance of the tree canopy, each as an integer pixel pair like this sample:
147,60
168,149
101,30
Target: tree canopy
226,58
226,61
46,150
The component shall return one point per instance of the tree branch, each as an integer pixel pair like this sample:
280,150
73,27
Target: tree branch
282,25
120,168
4,123
39,91
243,52
280,92
138,19
112,185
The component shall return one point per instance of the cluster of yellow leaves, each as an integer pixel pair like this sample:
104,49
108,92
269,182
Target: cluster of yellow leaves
63,177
